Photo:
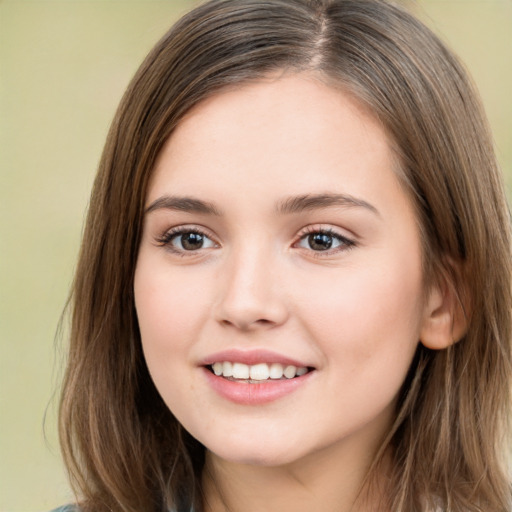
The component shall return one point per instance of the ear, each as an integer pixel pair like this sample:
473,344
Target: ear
445,318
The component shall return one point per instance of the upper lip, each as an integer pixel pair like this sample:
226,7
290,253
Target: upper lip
251,357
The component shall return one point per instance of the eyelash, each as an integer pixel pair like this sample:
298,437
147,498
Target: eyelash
166,239
344,242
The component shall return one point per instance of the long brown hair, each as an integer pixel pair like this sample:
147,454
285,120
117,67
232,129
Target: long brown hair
124,449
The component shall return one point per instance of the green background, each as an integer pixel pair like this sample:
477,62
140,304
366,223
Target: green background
63,67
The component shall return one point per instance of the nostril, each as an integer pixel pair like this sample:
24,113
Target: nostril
247,325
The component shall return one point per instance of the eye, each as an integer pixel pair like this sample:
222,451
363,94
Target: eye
186,240
321,240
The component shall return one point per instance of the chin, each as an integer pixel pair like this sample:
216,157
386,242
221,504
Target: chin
256,451
255,458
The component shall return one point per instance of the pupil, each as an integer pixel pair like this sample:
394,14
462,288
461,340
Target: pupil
320,241
191,241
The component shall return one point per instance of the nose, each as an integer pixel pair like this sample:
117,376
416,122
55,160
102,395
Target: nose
251,293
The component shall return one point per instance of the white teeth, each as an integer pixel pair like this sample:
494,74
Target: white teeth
276,371
260,371
290,371
302,371
240,371
227,369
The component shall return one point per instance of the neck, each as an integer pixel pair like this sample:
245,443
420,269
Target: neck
331,480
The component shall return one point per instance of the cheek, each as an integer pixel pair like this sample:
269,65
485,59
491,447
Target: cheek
367,329
366,313
168,311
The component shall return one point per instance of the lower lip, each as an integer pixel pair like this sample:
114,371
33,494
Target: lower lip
255,394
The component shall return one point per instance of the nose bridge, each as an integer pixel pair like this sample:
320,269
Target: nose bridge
251,297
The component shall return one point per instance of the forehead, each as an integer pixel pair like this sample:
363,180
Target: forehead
276,128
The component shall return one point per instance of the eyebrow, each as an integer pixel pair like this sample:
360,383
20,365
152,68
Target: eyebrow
183,204
317,201
295,204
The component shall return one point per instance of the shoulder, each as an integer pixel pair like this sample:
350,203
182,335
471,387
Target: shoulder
67,508
75,508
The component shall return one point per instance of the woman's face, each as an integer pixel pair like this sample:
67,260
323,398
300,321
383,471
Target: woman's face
277,238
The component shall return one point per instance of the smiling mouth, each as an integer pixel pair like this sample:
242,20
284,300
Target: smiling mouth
257,373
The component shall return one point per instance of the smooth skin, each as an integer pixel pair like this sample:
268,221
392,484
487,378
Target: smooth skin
276,221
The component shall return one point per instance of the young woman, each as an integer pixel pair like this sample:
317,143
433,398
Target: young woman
294,288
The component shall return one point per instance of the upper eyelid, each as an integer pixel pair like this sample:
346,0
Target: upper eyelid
347,241
170,233
329,229
310,228
187,228
301,234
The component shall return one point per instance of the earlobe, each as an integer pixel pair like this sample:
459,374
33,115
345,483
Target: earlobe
445,317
